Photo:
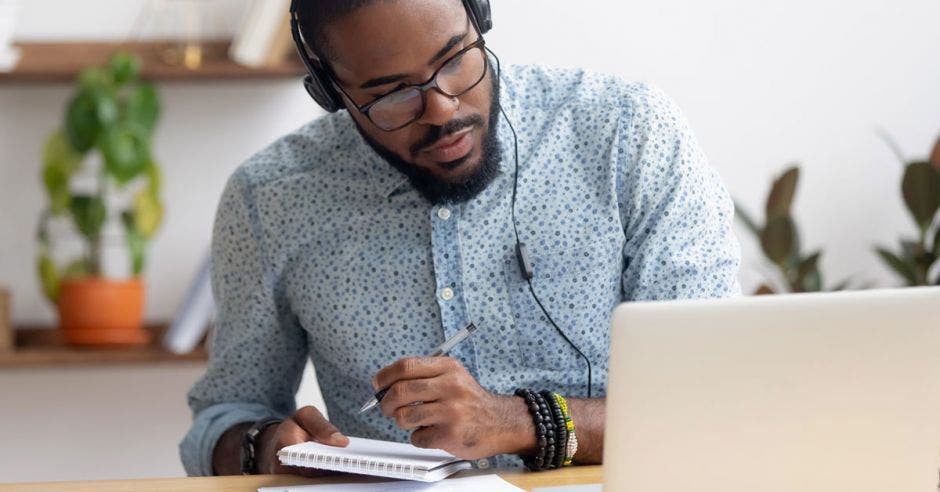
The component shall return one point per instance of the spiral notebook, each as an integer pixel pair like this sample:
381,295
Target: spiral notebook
377,458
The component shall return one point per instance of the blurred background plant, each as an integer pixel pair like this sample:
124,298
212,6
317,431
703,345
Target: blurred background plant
111,115
794,270
916,261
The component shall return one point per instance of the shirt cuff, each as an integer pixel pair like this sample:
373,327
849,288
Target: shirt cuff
208,426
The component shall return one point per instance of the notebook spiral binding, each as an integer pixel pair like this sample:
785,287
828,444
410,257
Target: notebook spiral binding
354,465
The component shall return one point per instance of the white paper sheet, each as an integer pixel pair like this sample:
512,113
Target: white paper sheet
489,483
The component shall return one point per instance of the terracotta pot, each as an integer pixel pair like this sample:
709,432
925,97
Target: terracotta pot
98,311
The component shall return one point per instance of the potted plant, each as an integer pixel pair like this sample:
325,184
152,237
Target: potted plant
917,260
106,133
780,241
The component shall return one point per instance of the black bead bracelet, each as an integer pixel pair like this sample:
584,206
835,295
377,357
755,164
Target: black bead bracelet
538,461
561,430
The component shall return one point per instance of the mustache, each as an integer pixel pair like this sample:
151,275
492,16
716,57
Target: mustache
435,133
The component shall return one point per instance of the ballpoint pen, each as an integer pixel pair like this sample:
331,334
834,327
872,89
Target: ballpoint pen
445,347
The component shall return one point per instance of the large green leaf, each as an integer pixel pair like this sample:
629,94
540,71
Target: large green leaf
148,213
60,160
124,67
81,121
745,218
782,193
89,214
136,243
901,267
143,106
921,189
778,239
126,152
48,277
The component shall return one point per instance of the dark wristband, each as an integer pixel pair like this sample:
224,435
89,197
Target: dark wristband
249,445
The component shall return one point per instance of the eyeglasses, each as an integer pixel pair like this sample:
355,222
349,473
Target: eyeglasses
404,106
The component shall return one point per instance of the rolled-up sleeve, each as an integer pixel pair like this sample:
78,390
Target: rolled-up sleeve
677,213
258,349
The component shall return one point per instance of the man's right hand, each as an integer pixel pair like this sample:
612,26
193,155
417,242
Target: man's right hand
307,424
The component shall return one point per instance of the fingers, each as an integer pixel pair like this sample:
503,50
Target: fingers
307,424
424,415
411,391
413,368
310,420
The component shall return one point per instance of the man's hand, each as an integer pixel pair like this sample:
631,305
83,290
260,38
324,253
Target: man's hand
447,409
307,424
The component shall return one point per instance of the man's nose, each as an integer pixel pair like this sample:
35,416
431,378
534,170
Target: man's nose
439,108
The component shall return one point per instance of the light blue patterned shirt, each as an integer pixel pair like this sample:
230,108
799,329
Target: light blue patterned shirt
321,249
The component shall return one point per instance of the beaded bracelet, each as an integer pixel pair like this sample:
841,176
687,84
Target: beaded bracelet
561,430
571,446
536,462
551,434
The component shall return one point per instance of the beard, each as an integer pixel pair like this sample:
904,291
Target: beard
435,189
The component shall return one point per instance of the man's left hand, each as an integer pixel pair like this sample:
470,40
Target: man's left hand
447,409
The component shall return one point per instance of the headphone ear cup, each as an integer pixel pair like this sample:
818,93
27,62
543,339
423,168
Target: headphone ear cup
323,94
481,13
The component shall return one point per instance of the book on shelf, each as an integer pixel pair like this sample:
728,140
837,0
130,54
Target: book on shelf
195,313
263,37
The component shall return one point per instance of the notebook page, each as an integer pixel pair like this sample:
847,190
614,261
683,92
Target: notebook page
489,483
384,451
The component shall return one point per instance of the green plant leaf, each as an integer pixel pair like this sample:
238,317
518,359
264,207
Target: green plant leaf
901,267
155,178
95,79
921,189
782,193
81,121
136,244
126,152
124,67
89,214
77,269
60,161
49,278
746,219
148,213
777,239
807,275
143,106
935,156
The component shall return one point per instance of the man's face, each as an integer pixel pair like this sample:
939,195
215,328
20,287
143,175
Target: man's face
389,44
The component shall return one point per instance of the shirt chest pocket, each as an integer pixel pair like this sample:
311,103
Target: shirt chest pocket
578,287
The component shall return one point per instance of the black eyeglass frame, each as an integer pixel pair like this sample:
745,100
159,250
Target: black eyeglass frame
422,88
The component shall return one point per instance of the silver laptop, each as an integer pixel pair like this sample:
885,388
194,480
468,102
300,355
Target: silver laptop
799,393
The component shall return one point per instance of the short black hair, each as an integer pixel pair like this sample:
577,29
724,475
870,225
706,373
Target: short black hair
314,15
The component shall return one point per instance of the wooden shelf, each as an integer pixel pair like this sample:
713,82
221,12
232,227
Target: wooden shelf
43,62
40,347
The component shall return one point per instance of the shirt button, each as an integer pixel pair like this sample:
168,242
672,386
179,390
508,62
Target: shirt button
483,464
443,213
447,293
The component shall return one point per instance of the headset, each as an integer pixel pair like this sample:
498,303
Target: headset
319,84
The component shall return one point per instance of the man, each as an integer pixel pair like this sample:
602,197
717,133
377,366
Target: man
368,236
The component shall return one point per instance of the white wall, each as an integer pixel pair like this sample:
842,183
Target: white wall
763,83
